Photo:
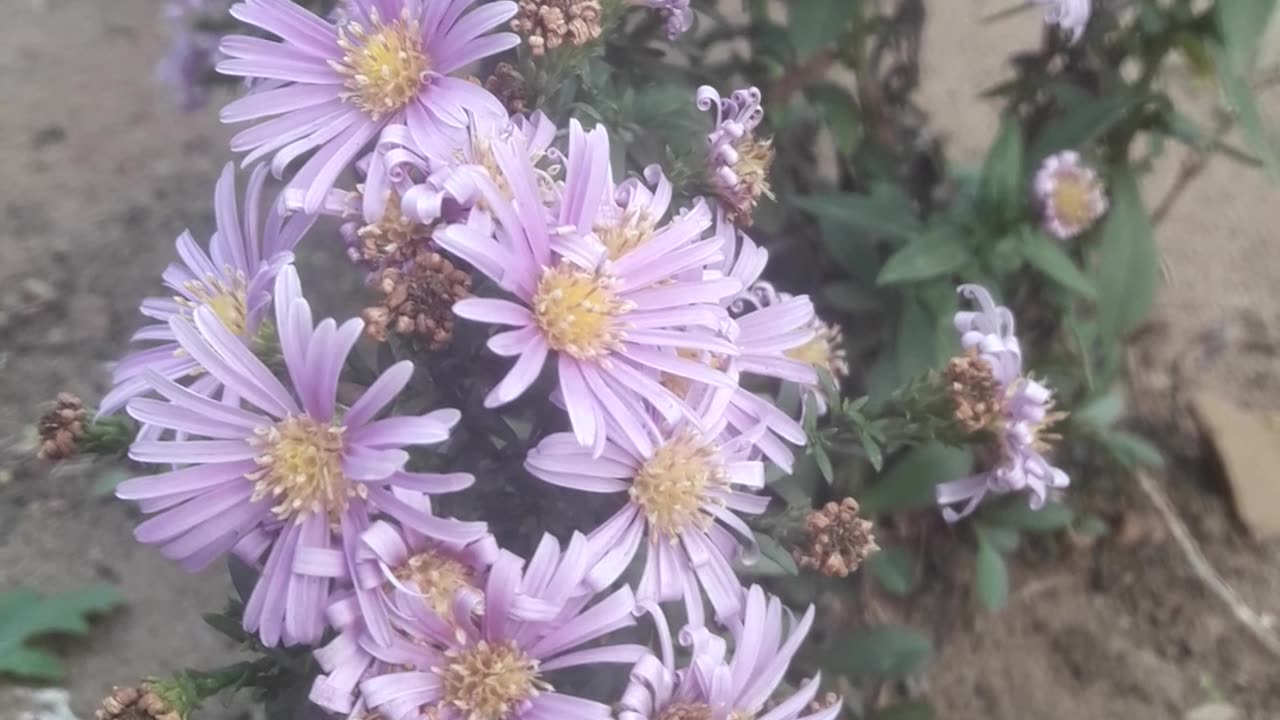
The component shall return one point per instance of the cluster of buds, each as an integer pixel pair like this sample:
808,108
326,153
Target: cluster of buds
548,24
508,85
417,300
838,540
62,428
393,240
974,392
146,702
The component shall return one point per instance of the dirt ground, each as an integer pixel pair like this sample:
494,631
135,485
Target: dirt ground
101,172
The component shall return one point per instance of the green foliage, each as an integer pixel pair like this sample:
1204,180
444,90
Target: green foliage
26,615
877,651
893,569
1048,257
991,576
1003,183
815,23
909,483
1127,267
926,257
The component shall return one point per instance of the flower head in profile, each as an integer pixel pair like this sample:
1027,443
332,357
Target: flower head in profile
718,685
1070,15
611,325
494,662
676,15
682,495
1019,417
331,87
233,281
1071,195
283,475
738,162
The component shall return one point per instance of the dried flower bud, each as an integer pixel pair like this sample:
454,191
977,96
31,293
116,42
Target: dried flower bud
548,24
508,85
62,428
417,300
392,240
974,392
838,540
146,702
823,701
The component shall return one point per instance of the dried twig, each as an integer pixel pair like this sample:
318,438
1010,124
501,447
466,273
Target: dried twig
1252,621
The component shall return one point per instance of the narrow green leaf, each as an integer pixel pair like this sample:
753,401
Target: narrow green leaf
1239,96
1241,25
1002,189
875,455
1048,257
926,257
824,462
1133,450
916,346
881,651
815,23
991,578
1101,412
840,112
909,483
1017,514
29,663
1127,268
1084,122
885,212
894,568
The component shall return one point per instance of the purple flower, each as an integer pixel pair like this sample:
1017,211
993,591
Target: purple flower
676,14
333,87
713,685
612,324
491,663
1070,15
187,65
683,496
738,162
1025,412
233,281
1071,194
282,473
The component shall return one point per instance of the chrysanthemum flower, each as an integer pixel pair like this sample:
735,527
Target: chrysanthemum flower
334,87
495,663
738,162
1071,195
1070,15
683,494
233,280
612,325
284,473
676,15
1023,413
715,686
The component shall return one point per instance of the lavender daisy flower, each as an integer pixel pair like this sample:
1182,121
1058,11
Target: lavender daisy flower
612,325
676,14
233,281
335,86
494,665
1070,15
1021,412
282,474
738,162
714,686
683,494
1071,194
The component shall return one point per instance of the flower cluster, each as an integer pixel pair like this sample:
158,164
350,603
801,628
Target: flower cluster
639,321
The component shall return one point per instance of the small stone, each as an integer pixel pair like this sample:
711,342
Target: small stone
1214,711
20,703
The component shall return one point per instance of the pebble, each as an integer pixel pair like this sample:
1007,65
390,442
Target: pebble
20,703
1214,711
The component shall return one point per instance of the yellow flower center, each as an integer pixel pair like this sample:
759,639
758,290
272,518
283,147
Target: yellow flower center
674,484
229,301
385,63
301,465
438,578
488,681
632,231
755,159
578,311
824,351
1073,200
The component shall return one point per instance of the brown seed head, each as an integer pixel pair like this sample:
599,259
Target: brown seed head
136,703
417,300
62,428
974,391
548,24
838,540
392,240
508,85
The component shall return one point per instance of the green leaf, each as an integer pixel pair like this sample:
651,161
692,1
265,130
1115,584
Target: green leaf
1048,257
26,615
814,23
1239,96
1017,514
840,113
1084,122
1241,25
991,579
881,651
824,462
1001,189
1004,539
1101,412
885,212
106,484
910,710
909,483
915,347
928,256
1133,450
894,568
1127,269
849,297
